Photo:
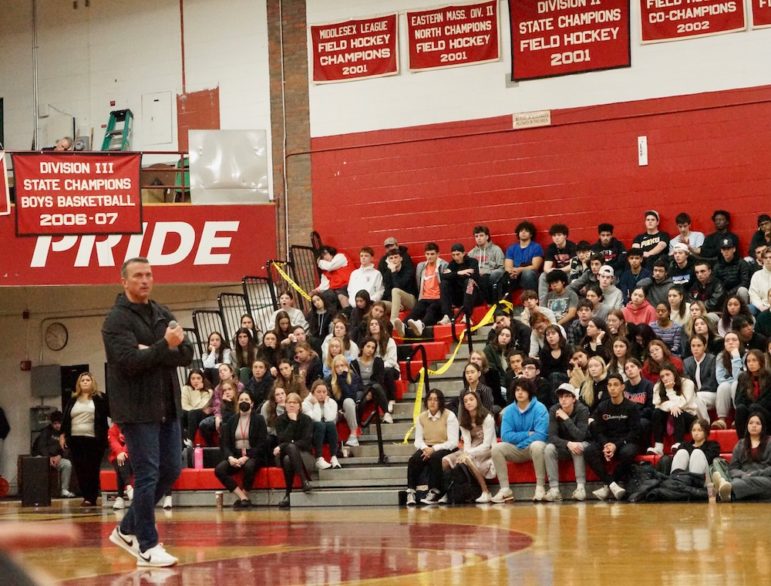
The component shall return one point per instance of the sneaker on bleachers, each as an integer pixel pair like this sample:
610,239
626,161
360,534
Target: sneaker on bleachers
445,321
619,492
334,462
655,451
399,327
502,496
322,464
353,441
391,405
579,494
66,494
602,493
119,503
431,498
540,492
485,497
388,418
130,492
416,327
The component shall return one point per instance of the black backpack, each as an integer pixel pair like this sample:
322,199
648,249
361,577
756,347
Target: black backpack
462,487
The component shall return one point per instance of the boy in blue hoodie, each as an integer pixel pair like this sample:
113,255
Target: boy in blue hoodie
524,430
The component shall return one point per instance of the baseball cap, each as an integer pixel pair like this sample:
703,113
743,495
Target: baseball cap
763,218
457,247
566,388
606,270
680,246
390,241
727,243
652,213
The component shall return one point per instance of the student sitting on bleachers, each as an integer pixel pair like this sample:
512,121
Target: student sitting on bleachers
568,435
634,275
358,324
675,400
700,368
472,374
428,309
609,248
320,319
749,473
658,356
496,352
260,383
293,452
289,379
678,307
346,388
729,363
697,455
490,259
594,389
491,378
386,349
732,307
273,406
196,397
557,257
523,261
269,350
218,351
371,370
340,331
244,445
753,390
307,363
244,350
666,330
366,277
322,409
286,303
247,321
336,269
555,356
639,310
223,406
640,392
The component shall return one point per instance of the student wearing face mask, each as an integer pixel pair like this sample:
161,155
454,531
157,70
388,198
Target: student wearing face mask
244,445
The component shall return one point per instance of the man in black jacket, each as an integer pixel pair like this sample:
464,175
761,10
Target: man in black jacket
144,346
400,290
732,271
47,444
460,284
706,288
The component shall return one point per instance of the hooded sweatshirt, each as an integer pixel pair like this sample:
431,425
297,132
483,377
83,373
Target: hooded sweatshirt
516,425
644,314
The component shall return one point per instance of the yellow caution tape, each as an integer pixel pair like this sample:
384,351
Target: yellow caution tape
291,282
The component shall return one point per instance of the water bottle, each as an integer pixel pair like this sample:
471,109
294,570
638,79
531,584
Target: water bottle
710,488
198,457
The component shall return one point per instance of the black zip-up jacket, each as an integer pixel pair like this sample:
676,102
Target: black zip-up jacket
101,413
139,381
732,274
403,279
258,438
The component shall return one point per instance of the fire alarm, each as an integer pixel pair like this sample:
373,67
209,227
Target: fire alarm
25,365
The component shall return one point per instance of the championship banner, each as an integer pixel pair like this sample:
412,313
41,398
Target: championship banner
77,194
453,35
185,244
5,197
761,13
354,49
561,37
673,20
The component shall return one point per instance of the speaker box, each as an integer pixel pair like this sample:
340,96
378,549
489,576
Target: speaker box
46,380
34,482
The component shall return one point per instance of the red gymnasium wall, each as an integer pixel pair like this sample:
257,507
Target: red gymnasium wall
706,151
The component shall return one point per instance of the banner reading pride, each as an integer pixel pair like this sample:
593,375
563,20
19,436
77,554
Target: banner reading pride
453,35
673,20
77,194
761,13
354,49
560,37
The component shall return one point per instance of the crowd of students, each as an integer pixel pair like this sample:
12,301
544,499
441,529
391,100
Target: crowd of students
612,351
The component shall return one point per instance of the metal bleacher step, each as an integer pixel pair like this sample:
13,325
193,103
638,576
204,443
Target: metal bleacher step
368,474
392,448
353,497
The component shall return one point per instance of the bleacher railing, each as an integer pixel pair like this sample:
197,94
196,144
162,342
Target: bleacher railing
232,307
261,300
206,321
305,271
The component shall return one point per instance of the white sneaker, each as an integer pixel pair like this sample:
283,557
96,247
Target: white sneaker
431,498
187,443
391,405
724,490
502,496
388,418
125,541
540,492
655,451
416,326
119,504
322,464
602,493
167,502
411,501
445,321
553,495
66,494
618,491
485,497
579,494
399,327
443,501
353,441
335,463
130,492
156,557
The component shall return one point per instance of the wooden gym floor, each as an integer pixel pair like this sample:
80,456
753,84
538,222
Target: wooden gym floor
595,543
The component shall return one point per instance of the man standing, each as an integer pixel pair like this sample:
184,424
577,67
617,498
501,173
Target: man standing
490,259
144,346
616,433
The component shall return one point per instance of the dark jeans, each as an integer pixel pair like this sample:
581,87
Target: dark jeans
86,458
192,420
225,472
429,311
155,450
378,397
624,458
124,474
324,431
682,424
527,280
456,293
743,416
417,464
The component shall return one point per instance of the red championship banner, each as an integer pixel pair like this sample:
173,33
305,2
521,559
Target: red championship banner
5,198
354,49
560,37
77,193
761,13
673,20
453,35
185,244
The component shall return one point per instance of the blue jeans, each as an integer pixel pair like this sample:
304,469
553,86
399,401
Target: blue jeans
155,453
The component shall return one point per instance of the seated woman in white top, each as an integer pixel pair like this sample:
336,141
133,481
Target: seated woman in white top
673,396
477,430
218,351
322,409
286,303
